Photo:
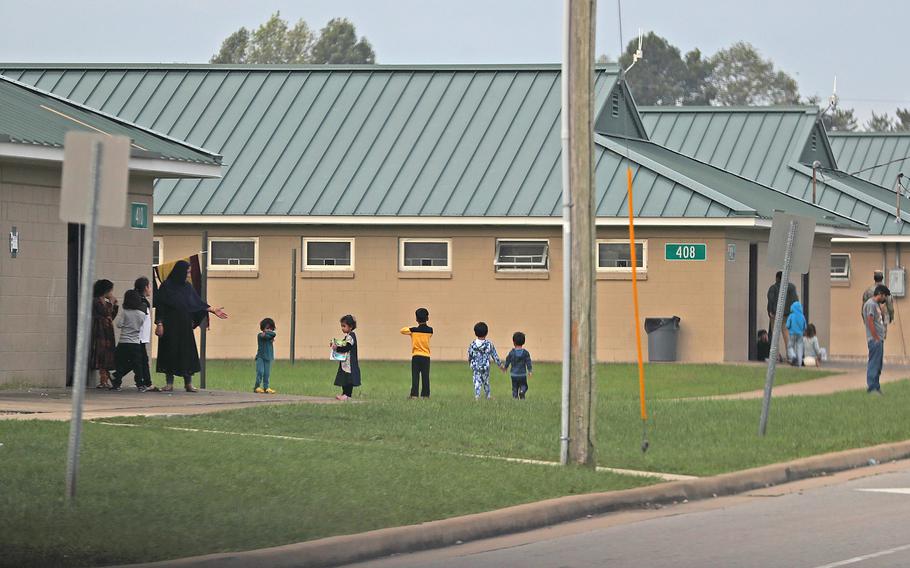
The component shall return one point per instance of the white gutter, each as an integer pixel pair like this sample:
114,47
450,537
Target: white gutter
156,167
874,239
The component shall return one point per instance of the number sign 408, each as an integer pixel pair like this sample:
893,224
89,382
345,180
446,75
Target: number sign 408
686,251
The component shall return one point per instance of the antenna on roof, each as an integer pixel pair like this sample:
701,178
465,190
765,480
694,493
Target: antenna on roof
898,189
637,55
832,100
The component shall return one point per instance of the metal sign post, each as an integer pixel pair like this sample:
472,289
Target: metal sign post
789,248
93,192
778,325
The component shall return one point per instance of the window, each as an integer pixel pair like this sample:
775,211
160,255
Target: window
328,254
615,256
425,254
840,267
522,254
156,252
227,253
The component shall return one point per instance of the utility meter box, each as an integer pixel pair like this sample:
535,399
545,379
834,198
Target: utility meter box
897,282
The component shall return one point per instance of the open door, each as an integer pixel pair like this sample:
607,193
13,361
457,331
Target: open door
74,238
752,328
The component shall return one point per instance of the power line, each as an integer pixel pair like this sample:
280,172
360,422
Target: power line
880,165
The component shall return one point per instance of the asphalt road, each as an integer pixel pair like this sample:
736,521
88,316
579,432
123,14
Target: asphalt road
820,523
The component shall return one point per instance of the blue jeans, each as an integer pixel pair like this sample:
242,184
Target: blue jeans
263,370
874,368
795,349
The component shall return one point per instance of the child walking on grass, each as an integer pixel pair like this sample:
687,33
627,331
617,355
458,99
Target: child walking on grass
480,351
265,354
519,359
348,375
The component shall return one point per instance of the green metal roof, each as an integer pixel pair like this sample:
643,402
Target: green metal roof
741,196
411,141
348,140
775,147
874,156
31,116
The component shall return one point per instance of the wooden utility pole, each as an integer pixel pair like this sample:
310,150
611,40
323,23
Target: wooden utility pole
579,70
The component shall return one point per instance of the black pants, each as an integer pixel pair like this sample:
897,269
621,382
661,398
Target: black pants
128,358
420,374
347,390
146,372
519,387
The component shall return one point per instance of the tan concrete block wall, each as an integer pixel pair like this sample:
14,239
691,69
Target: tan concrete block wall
383,302
848,338
33,302
33,285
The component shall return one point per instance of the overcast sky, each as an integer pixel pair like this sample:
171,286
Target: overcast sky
864,42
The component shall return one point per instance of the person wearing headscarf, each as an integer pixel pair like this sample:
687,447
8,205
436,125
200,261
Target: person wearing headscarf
178,311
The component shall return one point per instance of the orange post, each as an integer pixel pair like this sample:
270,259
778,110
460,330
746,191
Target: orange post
641,365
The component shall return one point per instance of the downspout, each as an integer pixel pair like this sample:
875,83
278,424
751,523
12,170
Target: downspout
566,243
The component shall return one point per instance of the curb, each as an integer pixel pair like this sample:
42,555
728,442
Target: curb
347,549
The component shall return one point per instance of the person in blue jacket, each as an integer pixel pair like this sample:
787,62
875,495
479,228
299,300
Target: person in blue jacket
796,326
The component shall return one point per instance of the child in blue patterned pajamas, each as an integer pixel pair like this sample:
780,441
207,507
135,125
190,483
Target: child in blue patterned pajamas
480,351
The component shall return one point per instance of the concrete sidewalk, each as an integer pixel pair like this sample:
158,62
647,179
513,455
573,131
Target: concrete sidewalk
849,377
55,403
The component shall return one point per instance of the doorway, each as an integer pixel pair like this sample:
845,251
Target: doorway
752,328
74,238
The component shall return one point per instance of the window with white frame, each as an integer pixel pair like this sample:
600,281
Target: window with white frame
425,254
157,252
328,254
840,266
615,256
230,253
522,254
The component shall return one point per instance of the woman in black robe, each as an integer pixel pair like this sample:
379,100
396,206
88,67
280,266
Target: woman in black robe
178,311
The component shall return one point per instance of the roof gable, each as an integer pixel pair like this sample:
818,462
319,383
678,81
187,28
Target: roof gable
619,116
817,148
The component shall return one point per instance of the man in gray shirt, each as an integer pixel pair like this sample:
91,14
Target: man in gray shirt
875,334
888,307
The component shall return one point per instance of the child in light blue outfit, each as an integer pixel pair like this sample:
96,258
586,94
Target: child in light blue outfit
480,351
796,325
265,354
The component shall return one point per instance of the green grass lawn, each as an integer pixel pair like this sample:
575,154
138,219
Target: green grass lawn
150,493
389,380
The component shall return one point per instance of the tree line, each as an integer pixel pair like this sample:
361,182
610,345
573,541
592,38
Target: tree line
737,75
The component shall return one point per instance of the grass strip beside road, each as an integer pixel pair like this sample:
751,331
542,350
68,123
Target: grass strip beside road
147,494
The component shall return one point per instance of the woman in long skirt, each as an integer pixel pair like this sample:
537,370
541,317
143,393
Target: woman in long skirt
178,311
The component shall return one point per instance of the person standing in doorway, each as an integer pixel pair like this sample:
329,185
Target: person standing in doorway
792,296
875,331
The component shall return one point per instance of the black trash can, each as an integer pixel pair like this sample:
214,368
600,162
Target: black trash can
662,337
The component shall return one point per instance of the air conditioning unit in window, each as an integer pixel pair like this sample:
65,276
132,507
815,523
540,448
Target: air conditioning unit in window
897,282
